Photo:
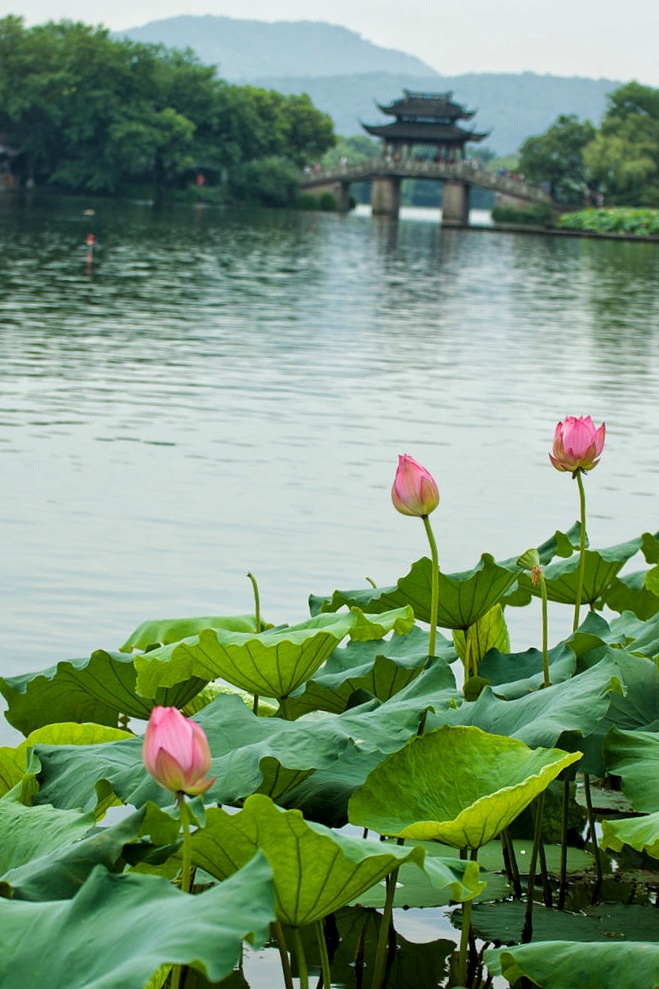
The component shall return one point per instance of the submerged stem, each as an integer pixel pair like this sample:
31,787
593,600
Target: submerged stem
527,932
383,936
278,932
465,935
434,587
582,551
324,957
302,969
593,834
563,873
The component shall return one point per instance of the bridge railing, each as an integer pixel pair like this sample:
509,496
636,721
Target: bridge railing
464,170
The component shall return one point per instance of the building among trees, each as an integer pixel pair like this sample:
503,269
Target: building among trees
429,120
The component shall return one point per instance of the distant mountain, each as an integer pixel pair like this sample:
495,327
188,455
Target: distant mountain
346,76
243,49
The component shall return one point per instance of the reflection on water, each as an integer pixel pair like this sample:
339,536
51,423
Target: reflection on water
224,391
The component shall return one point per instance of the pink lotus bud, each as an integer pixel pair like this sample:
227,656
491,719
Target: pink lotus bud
414,491
176,752
578,444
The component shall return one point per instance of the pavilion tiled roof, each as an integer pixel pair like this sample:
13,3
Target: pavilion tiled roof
422,132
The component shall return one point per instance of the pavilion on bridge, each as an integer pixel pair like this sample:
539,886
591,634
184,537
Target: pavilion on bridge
429,120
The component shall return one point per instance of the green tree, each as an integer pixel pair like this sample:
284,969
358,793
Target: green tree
94,114
556,158
623,157
308,133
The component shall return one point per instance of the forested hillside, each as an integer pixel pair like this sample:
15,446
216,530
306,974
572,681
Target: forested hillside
345,75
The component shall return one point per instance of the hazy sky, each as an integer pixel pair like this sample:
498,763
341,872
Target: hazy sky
607,39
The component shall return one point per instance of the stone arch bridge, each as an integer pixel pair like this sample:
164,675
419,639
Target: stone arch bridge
458,177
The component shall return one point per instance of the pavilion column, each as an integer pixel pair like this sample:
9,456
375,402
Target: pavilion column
455,203
385,195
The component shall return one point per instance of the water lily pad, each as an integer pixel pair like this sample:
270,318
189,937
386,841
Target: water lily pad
503,922
565,965
457,785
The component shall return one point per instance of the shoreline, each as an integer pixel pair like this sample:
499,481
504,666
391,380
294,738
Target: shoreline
520,228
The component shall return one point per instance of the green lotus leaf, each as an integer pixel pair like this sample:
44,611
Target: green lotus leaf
48,853
249,754
650,546
31,832
561,544
489,632
634,756
512,675
594,632
463,597
380,668
13,761
640,636
132,925
97,689
641,833
565,965
637,708
272,663
164,631
576,705
377,730
316,871
631,593
601,568
457,785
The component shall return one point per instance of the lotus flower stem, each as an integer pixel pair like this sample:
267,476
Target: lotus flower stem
467,660
278,931
582,552
434,587
257,624
383,935
593,834
464,943
302,968
563,871
324,957
545,628
185,847
510,862
175,977
546,884
527,932
465,934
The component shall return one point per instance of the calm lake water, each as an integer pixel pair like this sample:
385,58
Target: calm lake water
223,391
